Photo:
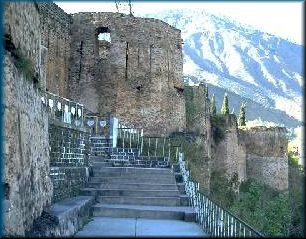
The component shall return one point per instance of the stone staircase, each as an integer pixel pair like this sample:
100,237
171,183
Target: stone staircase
126,185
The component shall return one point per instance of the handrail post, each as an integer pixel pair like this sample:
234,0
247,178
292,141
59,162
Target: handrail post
149,146
141,146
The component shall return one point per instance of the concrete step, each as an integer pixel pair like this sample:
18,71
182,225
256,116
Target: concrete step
140,176
134,179
152,157
101,164
107,227
133,186
155,201
151,164
143,211
129,192
124,170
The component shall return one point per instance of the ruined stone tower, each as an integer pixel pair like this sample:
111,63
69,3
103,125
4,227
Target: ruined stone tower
117,64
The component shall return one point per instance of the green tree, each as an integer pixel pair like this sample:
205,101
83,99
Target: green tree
241,119
213,106
206,91
224,108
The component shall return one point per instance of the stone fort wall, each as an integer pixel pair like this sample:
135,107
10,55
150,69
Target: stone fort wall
138,75
258,153
55,27
266,155
28,188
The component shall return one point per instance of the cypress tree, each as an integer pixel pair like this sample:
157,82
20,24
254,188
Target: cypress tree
206,91
213,106
242,115
224,108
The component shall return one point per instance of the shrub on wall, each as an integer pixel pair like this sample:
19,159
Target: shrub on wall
23,63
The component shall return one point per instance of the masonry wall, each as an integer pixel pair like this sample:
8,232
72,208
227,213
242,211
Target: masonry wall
55,27
69,149
140,70
26,150
229,154
266,157
199,125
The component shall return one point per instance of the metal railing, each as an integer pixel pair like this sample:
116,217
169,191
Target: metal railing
215,220
149,146
155,146
64,110
97,125
129,137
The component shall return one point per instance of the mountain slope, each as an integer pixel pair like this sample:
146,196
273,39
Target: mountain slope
257,66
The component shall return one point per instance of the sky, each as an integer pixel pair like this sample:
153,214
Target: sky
284,19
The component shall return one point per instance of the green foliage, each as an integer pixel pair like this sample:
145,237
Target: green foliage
213,108
223,189
293,159
193,151
264,208
206,91
225,107
218,131
23,64
195,155
296,175
241,120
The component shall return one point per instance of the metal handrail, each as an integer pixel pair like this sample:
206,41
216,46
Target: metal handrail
214,219
63,109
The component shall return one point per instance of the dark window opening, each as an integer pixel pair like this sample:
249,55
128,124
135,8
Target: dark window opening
103,34
179,89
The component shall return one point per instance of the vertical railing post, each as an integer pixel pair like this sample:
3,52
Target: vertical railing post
130,138
141,146
138,140
164,146
156,140
169,149
114,131
149,146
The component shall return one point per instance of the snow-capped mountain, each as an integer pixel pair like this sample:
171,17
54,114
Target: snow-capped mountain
257,66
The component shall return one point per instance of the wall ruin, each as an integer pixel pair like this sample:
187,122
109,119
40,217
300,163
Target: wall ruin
26,147
258,153
55,27
266,155
138,75
229,154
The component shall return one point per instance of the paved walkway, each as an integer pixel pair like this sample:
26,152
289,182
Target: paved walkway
140,227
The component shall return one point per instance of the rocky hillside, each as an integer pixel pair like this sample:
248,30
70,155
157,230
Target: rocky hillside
264,70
